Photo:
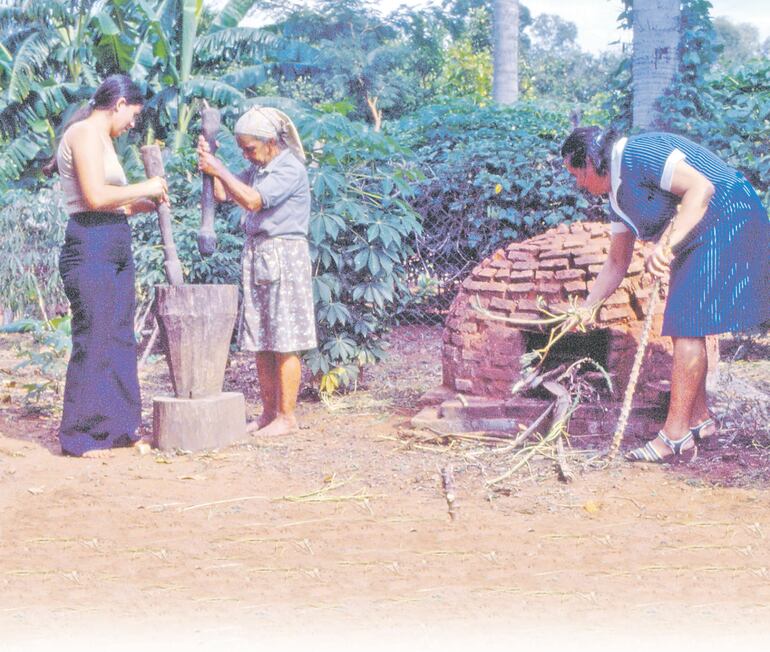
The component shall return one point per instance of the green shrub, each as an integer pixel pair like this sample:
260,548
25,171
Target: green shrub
732,118
361,234
492,175
47,357
32,224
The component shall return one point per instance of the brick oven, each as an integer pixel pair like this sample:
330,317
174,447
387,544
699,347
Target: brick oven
480,356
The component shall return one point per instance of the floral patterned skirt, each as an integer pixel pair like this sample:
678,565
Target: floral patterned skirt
278,312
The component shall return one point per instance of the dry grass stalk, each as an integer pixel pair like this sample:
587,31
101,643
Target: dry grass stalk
360,497
223,502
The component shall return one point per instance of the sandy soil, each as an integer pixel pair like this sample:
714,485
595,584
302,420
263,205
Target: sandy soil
339,538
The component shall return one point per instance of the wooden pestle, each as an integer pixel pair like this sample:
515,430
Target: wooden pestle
153,166
207,238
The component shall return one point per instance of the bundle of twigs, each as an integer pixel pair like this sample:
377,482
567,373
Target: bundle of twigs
558,321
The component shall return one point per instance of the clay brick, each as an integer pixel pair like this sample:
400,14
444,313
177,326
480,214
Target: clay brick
514,256
500,263
524,264
574,242
469,327
617,298
526,305
590,259
499,373
506,305
526,314
545,275
522,274
463,385
447,375
503,275
451,353
471,408
569,274
523,247
554,253
595,269
486,273
521,287
550,287
494,287
471,355
503,353
613,314
555,263
470,284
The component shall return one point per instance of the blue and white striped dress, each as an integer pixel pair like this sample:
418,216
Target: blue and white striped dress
720,276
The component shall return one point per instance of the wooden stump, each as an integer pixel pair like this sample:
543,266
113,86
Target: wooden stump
199,423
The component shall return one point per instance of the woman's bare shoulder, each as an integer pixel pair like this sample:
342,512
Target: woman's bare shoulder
81,134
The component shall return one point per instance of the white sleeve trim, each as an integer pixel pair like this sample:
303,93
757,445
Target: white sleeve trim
619,227
615,181
668,169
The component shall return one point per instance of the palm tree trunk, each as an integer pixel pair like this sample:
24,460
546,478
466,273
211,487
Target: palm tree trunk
655,57
505,77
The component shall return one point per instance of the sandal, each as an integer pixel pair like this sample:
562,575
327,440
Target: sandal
678,454
709,442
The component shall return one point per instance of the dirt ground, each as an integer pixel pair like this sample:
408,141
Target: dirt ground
339,537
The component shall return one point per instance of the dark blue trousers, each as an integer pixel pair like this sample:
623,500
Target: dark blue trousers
102,405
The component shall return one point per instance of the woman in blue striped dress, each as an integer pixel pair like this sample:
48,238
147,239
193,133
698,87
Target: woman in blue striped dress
716,253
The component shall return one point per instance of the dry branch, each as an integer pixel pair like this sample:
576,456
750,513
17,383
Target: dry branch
448,484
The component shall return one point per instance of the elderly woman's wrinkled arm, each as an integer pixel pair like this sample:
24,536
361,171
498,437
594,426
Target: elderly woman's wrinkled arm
241,193
227,185
207,162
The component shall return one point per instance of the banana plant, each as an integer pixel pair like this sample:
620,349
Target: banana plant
54,53
48,60
184,53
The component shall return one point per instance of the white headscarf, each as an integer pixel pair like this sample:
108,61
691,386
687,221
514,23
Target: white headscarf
268,123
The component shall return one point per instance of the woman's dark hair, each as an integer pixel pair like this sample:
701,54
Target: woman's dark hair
105,97
592,144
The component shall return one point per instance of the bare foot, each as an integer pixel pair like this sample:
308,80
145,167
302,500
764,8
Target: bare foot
98,453
264,420
281,425
143,447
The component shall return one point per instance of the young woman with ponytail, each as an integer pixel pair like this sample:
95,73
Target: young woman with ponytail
102,406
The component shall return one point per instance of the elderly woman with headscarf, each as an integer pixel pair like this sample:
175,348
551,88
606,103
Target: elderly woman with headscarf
278,317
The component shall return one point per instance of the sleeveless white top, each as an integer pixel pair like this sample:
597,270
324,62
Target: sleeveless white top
73,195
